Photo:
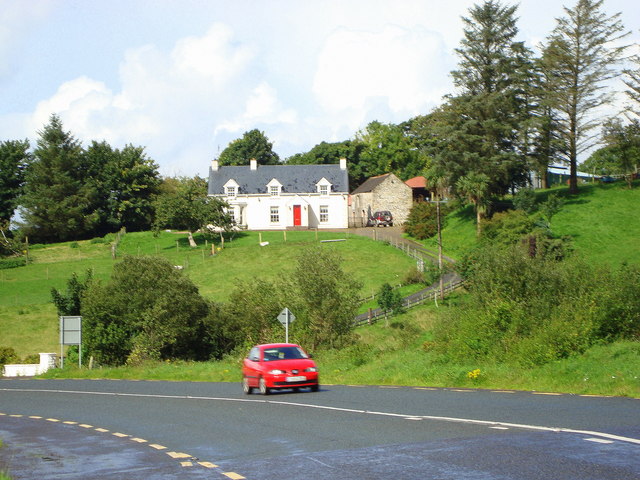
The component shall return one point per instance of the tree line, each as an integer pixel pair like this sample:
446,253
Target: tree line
64,192
513,112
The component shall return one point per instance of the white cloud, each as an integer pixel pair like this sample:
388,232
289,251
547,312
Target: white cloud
302,72
160,96
395,69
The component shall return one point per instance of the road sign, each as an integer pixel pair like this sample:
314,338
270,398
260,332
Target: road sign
285,318
70,334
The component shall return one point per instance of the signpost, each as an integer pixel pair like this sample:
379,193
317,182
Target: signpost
285,318
71,334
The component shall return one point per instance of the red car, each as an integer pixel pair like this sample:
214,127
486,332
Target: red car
278,365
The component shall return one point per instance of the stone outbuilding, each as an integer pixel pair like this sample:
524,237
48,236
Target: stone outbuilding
384,192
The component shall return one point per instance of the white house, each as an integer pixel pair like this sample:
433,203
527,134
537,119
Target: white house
279,197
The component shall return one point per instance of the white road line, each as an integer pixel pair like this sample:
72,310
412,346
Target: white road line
488,423
598,440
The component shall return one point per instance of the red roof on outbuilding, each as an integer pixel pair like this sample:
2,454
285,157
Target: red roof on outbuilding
417,182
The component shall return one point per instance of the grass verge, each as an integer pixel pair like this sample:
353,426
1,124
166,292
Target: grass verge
396,355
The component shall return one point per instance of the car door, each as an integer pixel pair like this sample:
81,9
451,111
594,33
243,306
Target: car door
251,369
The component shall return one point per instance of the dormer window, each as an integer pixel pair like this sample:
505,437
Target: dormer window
231,188
274,188
324,187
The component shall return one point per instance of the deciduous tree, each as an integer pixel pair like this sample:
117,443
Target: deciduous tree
147,311
253,144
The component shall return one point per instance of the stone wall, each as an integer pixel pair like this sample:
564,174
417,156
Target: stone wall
392,194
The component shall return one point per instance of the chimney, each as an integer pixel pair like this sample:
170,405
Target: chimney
343,164
214,165
254,164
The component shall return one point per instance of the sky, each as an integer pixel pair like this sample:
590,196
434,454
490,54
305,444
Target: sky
185,78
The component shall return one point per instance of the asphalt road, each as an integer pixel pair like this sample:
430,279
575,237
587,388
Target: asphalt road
77,429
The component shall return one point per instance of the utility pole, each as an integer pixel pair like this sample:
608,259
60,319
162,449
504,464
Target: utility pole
440,250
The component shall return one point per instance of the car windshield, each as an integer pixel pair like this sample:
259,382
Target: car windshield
283,353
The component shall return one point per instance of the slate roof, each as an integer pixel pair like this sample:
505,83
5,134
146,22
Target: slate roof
294,178
370,184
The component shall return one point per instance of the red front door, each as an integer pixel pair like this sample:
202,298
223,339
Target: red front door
297,216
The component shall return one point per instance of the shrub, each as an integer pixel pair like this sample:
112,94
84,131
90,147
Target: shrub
32,358
525,200
413,276
149,310
532,310
8,355
12,262
423,222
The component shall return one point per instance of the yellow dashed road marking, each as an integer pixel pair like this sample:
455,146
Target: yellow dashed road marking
175,455
546,393
233,476
502,391
178,455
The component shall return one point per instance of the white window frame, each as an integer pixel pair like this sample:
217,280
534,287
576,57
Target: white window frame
274,190
274,214
232,191
324,213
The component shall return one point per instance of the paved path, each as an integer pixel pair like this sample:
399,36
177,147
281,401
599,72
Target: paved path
394,235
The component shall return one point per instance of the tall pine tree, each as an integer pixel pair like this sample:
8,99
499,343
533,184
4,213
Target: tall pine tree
579,56
56,200
14,158
479,128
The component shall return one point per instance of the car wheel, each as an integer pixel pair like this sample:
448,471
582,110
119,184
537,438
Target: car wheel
264,390
315,388
245,386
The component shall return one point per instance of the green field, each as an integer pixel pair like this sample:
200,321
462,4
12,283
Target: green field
28,320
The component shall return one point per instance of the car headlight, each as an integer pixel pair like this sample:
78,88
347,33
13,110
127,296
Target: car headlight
276,372
311,369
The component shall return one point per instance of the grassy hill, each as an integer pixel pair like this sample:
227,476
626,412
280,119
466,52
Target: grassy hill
602,220
28,320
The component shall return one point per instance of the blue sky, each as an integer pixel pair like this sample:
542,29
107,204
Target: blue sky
184,78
